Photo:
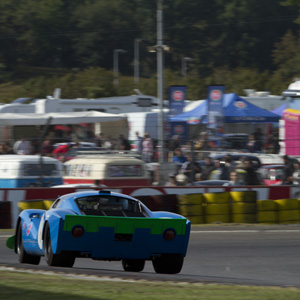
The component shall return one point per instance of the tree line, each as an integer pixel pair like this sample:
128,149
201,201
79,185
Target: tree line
70,44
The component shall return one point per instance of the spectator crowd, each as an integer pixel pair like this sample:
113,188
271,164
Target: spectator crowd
189,170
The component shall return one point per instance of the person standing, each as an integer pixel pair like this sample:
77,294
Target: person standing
99,140
22,146
254,146
62,150
207,168
233,179
147,148
288,170
189,168
223,170
251,177
138,143
47,148
173,145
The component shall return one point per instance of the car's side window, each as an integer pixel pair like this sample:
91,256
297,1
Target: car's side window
56,203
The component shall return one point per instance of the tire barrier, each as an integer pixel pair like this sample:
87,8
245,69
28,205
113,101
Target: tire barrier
267,212
267,217
5,215
288,211
243,207
217,198
287,204
245,196
217,207
191,206
266,205
35,204
48,203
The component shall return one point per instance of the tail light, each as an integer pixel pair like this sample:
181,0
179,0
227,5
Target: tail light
77,231
169,234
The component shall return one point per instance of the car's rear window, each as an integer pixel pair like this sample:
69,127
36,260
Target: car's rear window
108,205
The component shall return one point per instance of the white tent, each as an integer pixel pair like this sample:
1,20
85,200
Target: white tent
11,119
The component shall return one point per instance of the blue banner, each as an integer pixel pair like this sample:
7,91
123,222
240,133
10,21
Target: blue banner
215,111
177,96
181,129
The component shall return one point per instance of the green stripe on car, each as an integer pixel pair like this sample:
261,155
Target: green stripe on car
124,225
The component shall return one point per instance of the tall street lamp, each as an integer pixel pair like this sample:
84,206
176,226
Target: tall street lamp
159,48
184,65
116,65
137,59
160,79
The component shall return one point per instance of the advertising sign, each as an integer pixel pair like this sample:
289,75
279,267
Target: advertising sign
177,96
215,110
179,128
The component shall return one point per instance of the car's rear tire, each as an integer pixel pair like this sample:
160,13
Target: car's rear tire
24,257
58,260
133,265
168,263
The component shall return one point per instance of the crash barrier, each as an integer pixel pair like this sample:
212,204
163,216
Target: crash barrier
238,207
281,211
157,193
35,204
224,207
212,208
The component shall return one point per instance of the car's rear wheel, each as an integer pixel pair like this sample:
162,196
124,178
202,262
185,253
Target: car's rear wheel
133,265
59,260
24,257
168,263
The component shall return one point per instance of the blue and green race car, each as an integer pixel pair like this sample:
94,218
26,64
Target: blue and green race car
102,225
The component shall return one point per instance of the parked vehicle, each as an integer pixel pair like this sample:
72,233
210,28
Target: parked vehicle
109,169
17,171
102,225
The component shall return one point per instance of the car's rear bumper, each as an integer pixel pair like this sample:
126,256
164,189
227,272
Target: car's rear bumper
123,238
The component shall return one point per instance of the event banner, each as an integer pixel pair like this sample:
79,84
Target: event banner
215,111
177,96
181,129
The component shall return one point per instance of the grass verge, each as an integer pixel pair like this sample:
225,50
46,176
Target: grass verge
17,285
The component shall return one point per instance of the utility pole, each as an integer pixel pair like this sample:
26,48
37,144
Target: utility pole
160,79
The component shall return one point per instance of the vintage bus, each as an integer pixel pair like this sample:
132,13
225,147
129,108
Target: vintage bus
18,171
109,170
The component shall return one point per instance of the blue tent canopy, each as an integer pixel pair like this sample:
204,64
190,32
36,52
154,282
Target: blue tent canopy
236,110
280,109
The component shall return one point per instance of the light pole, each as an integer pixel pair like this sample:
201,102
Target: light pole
116,66
184,65
159,48
137,60
160,79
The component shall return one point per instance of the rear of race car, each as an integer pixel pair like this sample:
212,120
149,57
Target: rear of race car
119,238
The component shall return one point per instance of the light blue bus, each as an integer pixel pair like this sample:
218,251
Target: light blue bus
19,171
